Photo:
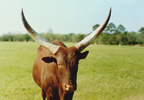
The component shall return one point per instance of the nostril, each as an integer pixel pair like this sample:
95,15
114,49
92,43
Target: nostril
70,88
66,86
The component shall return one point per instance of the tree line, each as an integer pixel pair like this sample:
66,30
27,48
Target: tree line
112,35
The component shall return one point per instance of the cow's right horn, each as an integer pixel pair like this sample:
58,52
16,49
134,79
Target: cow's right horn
87,41
44,42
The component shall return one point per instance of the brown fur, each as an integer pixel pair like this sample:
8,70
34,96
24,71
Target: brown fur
54,72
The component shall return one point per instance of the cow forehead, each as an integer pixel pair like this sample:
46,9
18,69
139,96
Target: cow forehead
65,54
67,51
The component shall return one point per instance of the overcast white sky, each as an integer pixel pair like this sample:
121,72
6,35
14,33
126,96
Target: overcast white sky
66,16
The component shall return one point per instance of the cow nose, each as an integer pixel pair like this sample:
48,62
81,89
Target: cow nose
70,88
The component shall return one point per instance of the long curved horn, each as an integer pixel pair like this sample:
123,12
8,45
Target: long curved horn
87,41
44,42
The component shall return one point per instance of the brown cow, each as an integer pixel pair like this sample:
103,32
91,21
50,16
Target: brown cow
55,68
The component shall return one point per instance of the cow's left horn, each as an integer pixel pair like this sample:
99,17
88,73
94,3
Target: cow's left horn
86,41
44,42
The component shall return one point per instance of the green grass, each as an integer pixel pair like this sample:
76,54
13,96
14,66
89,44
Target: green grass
108,72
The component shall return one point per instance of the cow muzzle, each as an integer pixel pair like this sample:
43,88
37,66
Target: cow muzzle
70,88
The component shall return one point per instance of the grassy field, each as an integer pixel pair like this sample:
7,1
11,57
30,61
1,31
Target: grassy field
108,73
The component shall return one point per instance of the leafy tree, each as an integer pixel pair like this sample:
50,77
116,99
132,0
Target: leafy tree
27,37
95,26
79,37
5,38
111,35
113,40
120,29
110,28
140,38
141,30
131,37
103,38
124,38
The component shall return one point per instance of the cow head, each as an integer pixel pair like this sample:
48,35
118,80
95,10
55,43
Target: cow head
67,63
66,58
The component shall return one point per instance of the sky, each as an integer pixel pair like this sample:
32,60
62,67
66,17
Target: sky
69,16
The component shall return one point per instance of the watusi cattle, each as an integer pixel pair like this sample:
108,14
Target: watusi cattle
56,65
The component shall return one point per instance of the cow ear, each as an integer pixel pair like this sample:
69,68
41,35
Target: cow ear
49,59
84,55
